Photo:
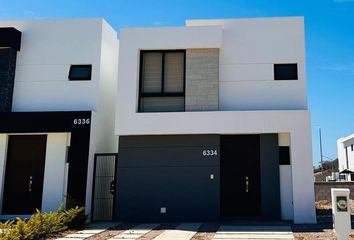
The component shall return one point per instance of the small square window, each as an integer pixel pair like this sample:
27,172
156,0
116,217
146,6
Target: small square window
80,72
285,71
284,155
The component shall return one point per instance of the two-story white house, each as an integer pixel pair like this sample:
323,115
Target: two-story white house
57,103
345,150
213,122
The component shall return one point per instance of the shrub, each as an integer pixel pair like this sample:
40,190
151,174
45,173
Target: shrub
40,225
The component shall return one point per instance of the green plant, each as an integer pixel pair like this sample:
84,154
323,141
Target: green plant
75,217
71,202
40,225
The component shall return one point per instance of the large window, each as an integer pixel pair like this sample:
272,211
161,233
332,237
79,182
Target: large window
162,81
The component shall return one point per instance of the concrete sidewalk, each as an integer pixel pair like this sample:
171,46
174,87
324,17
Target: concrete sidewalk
183,231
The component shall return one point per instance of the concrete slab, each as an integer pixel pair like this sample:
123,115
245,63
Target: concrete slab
231,232
79,235
254,228
91,231
135,232
251,236
184,231
127,236
258,232
64,238
143,228
121,238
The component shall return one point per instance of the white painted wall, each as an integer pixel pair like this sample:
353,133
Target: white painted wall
55,171
48,48
286,193
250,48
342,143
3,151
286,184
342,161
103,139
302,174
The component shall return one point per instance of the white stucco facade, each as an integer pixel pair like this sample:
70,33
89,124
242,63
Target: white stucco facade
250,100
48,49
345,150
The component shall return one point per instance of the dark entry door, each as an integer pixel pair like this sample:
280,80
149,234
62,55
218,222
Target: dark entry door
104,186
240,176
24,174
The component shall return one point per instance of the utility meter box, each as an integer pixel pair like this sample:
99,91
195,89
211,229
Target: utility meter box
341,212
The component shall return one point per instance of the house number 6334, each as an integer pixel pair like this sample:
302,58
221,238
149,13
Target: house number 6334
210,152
81,121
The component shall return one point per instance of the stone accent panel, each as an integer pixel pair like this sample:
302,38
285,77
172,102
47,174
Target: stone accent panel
323,189
7,77
202,79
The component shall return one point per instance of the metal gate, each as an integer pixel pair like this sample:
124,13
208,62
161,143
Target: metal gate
104,186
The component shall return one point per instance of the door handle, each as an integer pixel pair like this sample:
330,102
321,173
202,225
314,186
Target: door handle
112,187
30,184
247,183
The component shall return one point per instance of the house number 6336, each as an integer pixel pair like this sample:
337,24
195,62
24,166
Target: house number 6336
81,121
210,152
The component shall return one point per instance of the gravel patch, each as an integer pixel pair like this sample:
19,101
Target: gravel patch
157,231
60,235
315,231
206,231
112,231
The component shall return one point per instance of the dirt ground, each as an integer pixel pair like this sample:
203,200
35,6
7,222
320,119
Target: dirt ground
318,231
323,229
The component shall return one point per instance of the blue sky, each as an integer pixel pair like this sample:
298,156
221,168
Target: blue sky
329,42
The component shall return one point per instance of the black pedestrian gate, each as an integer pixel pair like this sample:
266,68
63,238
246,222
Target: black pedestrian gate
103,192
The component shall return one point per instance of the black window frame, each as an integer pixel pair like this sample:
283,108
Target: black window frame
162,93
276,75
88,78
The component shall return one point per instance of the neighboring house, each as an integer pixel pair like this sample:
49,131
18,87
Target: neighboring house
328,176
213,122
57,103
345,150
328,171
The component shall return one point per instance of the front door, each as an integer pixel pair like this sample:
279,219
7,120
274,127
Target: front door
240,176
24,174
